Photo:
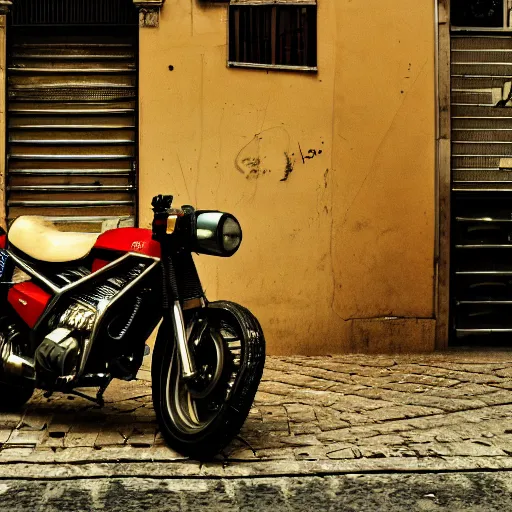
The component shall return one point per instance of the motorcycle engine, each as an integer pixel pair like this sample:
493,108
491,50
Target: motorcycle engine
59,353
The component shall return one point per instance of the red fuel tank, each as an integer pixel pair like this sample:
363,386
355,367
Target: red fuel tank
129,240
29,301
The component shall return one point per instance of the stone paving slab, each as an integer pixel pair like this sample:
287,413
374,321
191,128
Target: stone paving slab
446,411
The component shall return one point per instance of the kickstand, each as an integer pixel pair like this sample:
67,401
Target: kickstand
99,395
87,397
101,390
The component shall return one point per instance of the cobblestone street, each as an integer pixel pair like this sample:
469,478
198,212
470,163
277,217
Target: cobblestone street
313,415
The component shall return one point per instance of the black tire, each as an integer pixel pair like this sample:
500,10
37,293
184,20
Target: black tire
13,393
14,397
219,400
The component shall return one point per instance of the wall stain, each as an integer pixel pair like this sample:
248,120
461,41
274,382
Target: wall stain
360,225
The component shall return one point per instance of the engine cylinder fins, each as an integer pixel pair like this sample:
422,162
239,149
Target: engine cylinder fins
78,317
110,287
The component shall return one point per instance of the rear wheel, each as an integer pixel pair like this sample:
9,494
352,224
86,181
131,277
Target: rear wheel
200,416
12,396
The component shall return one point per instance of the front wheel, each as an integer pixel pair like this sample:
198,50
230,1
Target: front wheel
200,417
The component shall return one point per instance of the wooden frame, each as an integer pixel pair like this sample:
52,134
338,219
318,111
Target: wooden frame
442,267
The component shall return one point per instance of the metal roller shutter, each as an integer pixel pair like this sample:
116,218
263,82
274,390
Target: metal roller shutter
72,113
481,184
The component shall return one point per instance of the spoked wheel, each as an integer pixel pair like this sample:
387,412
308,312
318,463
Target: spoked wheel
199,417
194,404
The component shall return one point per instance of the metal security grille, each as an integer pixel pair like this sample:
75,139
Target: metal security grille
72,111
75,12
481,83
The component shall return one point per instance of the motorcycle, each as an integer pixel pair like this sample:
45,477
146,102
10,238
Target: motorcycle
77,309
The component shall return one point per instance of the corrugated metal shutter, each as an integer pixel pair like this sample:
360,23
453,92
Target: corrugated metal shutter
482,184
72,112
73,12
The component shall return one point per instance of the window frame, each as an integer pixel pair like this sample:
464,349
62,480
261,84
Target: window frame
274,4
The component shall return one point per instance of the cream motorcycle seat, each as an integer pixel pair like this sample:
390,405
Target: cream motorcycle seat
41,240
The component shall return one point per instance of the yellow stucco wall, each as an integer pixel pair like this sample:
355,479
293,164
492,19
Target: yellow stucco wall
348,239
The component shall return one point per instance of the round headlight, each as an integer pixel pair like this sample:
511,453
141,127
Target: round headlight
231,234
216,233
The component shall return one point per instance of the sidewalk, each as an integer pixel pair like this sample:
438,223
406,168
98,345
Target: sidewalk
312,415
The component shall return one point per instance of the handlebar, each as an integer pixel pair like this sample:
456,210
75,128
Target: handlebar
163,214
161,203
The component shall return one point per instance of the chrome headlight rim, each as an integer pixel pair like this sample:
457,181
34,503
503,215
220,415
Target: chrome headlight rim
210,239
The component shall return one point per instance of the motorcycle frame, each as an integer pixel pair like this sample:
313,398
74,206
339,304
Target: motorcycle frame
59,293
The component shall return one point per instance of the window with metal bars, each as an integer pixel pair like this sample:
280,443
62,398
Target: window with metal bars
273,36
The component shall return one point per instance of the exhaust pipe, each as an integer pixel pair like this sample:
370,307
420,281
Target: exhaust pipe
16,367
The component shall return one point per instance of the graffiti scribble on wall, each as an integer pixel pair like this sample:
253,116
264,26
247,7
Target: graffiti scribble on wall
309,154
289,167
269,152
254,166
264,154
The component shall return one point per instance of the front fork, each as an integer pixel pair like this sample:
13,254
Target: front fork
173,312
188,370
170,295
